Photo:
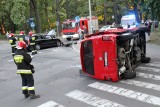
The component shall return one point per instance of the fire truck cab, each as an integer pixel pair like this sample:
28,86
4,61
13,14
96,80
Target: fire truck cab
71,28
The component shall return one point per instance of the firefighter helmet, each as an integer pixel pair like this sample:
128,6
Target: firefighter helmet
21,33
21,45
30,33
11,35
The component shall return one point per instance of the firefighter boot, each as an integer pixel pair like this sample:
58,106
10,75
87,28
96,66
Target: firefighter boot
26,95
33,96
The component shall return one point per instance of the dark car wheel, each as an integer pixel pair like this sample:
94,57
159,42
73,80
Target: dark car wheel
38,47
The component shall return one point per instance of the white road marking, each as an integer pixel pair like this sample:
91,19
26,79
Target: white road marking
155,64
148,69
92,100
127,93
10,60
142,84
150,76
73,46
50,104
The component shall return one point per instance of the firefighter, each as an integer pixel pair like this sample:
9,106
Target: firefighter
22,37
25,69
12,41
32,43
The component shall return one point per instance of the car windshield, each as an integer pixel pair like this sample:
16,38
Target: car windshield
52,32
69,25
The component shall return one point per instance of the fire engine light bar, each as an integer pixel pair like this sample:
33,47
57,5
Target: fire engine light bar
107,38
105,59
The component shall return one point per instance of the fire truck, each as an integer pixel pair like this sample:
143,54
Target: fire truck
70,27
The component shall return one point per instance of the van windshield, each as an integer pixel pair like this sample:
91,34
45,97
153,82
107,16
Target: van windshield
127,22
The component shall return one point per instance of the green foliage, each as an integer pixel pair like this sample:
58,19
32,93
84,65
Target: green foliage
18,11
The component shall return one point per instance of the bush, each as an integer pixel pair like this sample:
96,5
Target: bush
3,37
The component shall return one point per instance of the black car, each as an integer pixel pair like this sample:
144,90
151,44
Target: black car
46,41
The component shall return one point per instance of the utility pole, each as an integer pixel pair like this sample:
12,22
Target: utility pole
105,15
90,17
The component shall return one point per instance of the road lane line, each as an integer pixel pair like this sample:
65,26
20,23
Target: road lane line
92,100
148,69
155,64
142,84
50,104
10,60
150,76
127,93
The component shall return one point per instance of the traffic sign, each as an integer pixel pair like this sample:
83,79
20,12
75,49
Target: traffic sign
32,24
77,19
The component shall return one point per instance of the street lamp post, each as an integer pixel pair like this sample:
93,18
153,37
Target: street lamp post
90,16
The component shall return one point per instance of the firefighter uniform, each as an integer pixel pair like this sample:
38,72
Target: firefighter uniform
12,41
32,44
24,68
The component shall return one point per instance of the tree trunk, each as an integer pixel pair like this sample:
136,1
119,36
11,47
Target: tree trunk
2,26
46,12
58,18
34,4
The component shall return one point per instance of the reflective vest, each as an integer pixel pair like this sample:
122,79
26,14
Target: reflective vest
12,41
32,40
22,60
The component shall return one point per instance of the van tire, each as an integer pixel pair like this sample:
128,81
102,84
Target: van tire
129,75
145,59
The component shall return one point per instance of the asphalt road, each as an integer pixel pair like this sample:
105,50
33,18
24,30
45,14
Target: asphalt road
59,83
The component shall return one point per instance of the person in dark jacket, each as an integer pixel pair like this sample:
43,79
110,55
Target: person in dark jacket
25,69
12,41
32,39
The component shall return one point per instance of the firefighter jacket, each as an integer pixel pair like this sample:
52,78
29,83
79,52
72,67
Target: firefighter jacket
32,40
23,60
12,41
23,38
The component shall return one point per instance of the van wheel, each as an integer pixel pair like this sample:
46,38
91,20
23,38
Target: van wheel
38,47
129,75
146,59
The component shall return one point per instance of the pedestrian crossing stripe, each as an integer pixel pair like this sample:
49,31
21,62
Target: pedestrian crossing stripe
50,104
155,64
127,93
142,84
92,100
148,76
148,69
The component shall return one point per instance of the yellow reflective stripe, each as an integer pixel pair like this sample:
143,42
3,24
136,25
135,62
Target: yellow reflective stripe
18,58
24,72
33,38
25,88
13,53
10,41
13,45
30,88
32,43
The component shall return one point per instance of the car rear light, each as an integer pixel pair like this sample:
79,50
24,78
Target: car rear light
107,38
105,59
